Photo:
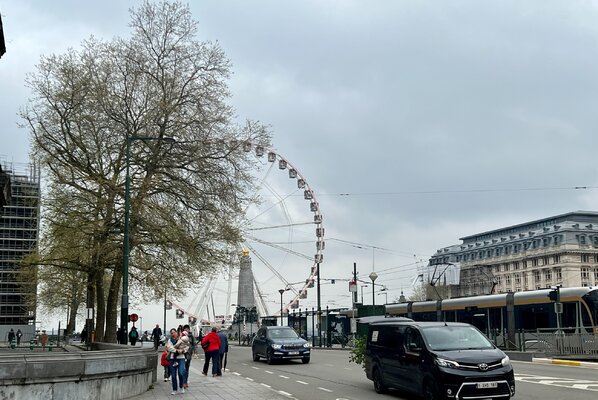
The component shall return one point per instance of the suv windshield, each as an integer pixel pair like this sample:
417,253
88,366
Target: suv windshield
282,334
444,338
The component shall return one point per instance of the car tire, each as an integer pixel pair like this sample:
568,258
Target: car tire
305,360
269,357
379,385
256,357
430,390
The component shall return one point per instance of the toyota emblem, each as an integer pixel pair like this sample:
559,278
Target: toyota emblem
483,367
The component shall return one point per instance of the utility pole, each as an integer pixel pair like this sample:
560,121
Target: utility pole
354,280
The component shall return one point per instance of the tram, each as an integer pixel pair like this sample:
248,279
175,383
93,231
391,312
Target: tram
511,312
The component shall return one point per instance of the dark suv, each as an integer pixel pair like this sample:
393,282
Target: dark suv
437,360
279,343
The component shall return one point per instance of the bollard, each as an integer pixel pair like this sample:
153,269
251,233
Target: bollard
13,344
31,345
50,346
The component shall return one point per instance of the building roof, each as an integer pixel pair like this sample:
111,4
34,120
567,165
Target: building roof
556,218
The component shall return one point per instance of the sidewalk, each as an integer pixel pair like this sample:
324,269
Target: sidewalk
229,386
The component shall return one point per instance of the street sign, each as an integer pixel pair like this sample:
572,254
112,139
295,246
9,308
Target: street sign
134,317
353,286
558,308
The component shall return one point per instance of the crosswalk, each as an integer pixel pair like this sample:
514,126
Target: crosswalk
582,384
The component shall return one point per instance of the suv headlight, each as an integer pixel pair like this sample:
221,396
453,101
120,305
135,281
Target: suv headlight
308,345
441,362
276,346
505,361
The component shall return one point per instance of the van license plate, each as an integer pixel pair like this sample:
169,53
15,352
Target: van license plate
293,353
487,385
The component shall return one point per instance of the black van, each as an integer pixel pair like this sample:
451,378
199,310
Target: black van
437,360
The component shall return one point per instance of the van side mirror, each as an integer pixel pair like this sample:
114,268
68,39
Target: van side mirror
413,347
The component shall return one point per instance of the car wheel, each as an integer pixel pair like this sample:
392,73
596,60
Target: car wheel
305,360
379,385
255,356
269,357
430,390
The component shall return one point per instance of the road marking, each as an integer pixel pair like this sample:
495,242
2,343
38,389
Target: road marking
348,369
285,393
255,367
236,373
268,372
324,389
303,383
244,364
263,384
250,379
284,377
559,382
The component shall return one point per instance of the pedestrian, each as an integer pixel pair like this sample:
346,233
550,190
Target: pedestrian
133,336
11,336
165,362
19,336
84,335
44,340
176,358
156,334
223,351
211,345
189,352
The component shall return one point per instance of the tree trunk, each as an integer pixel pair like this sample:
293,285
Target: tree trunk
101,306
112,306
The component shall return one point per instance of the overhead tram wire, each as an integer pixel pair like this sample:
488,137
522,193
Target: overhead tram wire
540,189
369,246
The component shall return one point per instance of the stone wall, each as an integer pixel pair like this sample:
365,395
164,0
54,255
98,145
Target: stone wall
109,372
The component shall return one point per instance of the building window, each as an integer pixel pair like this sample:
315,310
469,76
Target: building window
585,273
545,242
488,254
517,279
547,275
556,240
557,259
559,274
537,276
582,239
596,274
508,280
516,265
507,267
595,238
534,262
585,258
525,264
525,280
507,250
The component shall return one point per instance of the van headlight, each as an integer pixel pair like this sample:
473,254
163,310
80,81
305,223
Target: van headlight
307,345
505,361
276,346
441,362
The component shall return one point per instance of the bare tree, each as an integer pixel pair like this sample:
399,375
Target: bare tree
187,197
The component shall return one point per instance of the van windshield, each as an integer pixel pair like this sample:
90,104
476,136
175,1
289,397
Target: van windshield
445,338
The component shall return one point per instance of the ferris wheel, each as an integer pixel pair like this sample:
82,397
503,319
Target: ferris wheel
283,237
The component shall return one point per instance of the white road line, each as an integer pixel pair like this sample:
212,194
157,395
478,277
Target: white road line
244,364
255,367
285,393
303,383
284,377
324,389
348,369
268,372
250,379
263,384
236,373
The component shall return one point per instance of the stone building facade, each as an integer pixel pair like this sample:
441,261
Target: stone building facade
558,250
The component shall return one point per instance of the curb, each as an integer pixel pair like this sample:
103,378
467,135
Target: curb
571,363
566,362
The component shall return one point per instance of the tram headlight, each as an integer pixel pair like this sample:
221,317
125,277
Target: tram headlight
505,361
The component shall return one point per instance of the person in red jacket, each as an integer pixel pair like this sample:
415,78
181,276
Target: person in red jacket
211,346
165,362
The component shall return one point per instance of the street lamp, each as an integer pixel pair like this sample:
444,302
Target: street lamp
124,305
281,291
373,277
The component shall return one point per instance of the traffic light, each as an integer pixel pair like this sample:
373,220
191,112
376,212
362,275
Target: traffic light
555,295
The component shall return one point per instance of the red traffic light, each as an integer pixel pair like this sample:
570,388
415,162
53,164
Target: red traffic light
133,318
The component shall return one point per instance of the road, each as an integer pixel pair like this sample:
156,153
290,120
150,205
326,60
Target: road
330,376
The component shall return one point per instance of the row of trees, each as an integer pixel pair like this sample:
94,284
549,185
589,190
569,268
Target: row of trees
187,196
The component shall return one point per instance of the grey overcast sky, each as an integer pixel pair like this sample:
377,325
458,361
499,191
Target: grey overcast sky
416,122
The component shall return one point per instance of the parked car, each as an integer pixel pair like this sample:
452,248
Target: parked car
279,343
437,360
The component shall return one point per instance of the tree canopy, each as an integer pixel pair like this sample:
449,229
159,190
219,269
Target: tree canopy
164,93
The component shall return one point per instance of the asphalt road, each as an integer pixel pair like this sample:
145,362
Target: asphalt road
330,376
